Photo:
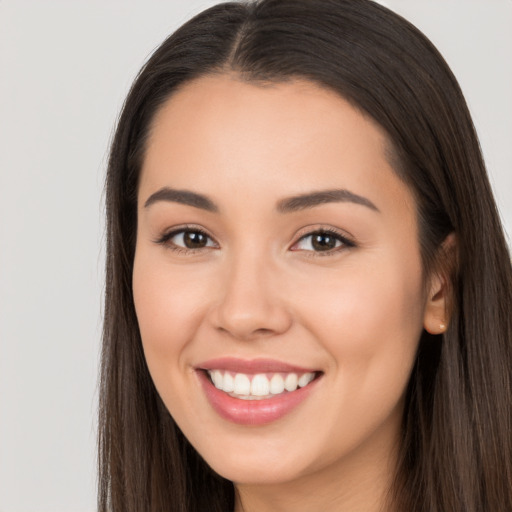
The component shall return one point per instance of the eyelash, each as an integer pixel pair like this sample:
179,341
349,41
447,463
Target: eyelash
165,239
345,243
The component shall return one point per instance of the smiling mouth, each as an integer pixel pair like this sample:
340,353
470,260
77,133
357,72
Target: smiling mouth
260,386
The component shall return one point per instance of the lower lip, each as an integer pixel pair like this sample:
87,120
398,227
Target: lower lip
253,412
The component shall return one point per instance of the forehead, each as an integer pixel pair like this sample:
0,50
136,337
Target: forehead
219,131
252,112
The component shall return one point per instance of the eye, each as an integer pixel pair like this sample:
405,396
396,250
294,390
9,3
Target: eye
322,241
187,239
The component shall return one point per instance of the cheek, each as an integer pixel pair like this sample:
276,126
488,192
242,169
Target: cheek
168,305
369,319
371,300
370,322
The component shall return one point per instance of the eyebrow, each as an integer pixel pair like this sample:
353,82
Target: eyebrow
183,197
310,200
287,205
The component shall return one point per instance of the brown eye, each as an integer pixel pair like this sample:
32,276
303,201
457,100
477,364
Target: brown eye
187,239
322,241
194,240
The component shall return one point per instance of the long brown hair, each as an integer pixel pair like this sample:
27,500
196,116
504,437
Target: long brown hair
456,449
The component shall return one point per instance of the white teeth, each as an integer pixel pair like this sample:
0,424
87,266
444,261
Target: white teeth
291,381
260,385
229,383
276,384
306,379
253,387
242,384
218,379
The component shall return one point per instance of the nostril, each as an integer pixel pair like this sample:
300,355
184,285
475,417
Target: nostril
263,332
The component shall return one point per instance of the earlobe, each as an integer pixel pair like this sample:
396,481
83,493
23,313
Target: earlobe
439,300
434,327
436,310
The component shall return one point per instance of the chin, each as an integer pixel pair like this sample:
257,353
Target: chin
261,473
258,463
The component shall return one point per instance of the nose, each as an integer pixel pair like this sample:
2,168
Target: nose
251,303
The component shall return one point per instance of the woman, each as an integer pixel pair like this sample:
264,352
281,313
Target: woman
308,286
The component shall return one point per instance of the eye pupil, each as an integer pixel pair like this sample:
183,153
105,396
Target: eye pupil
194,239
323,242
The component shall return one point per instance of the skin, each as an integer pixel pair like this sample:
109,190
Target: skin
257,289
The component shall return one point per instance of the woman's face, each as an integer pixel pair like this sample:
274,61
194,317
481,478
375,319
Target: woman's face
276,245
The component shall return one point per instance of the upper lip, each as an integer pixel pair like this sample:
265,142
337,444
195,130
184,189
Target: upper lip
251,366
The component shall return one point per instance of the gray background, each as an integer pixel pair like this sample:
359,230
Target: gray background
65,68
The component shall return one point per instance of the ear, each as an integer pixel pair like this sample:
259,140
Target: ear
440,294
